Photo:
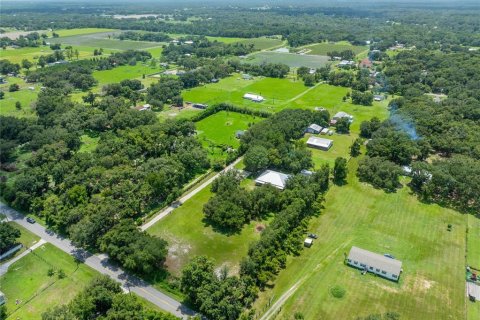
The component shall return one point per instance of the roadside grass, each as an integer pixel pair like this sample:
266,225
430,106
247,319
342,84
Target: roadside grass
432,285
220,128
27,281
25,96
323,48
473,241
27,239
290,59
189,235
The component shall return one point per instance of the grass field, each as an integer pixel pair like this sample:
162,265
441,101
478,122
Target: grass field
262,43
123,72
323,48
27,280
102,40
27,239
80,31
188,236
290,59
220,128
25,96
432,285
473,241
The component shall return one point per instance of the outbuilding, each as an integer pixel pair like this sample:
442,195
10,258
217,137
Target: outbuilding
253,97
375,263
319,143
314,128
308,242
274,178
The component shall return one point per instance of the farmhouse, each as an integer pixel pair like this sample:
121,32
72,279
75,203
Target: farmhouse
339,115
365,63
314,128
274,178
253,97
319,143
375,263
143,107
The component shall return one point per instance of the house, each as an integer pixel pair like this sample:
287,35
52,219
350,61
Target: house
246,76
308,242
314,128
239,134
253,97
365,63
339,115
312,71
143,107
375,263
200,106
319,143
274,178
346,63
378,97
188,42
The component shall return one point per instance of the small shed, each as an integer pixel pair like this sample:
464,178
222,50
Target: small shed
308,242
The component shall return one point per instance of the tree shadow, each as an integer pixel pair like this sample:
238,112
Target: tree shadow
221,229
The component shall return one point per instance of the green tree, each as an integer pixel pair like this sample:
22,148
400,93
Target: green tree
13,87
256,159
340,170
18,105
8,236
343,125
355,147
26,64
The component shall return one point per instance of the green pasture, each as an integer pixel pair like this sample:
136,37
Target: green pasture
323,48
102,40
27,280
177,113
473,242
262,43
189,235
25,96
80,31
290,59
220,128
123,72
232,40
432,285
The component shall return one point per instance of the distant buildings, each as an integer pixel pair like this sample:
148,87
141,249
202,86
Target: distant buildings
375,263
365,63
346,63
319,143
274,178
253,97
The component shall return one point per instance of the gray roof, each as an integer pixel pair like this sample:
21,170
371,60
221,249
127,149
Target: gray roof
315,127
320,142
375,260
341,114
276,179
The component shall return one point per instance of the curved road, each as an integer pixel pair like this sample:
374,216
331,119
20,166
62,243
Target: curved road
102,264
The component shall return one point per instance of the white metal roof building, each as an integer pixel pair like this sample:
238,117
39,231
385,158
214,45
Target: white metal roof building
342,114
375,263
253,97
319,143
314,128
276,179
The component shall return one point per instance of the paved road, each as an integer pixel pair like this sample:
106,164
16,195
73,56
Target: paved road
163,213
4,267
102,265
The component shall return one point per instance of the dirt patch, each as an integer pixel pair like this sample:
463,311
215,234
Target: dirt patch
178,255
259,227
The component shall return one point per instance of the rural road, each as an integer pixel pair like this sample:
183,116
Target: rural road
162,214
102,264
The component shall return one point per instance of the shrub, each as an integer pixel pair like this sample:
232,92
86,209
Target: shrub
337,291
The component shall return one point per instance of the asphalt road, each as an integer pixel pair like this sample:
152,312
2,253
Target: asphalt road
101,264
163,213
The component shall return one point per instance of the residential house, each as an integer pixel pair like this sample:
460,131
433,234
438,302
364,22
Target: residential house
339,115
274,178
375,263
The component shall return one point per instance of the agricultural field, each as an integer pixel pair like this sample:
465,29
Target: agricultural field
189,235
80,31
103,40
220,128
25,96
262,43
432,285
28,281
323,48
291,59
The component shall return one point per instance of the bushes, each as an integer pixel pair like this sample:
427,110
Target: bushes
337,291
380,172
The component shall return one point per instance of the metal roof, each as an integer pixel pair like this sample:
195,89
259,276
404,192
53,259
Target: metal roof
320,142
276,179
315,127
375,260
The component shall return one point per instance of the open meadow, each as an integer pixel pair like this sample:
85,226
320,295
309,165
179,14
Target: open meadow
432,285
323,48
262,43
28,281
103,40
26,96
290,59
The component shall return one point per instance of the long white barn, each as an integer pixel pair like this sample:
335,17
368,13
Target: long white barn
375,263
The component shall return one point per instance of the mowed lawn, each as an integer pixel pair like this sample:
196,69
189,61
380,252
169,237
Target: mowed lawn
290,59
262,43
27,280
103,40
220,128
323,48
80,31
189,235
278,93
473,242
340,148
118,74
27,239
432,285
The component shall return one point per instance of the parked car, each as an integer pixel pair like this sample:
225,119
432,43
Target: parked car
312,235
30,220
